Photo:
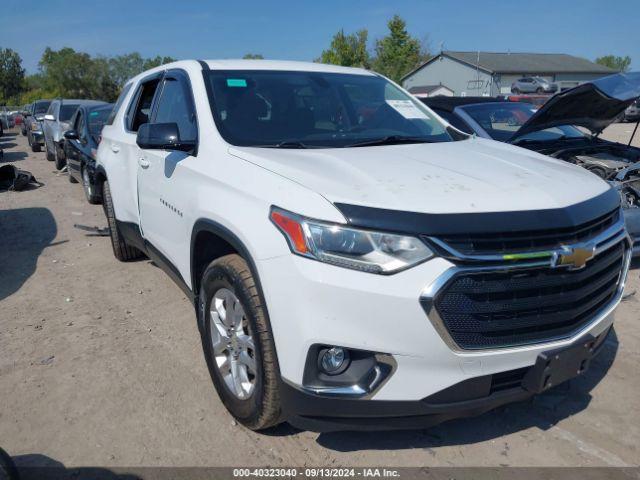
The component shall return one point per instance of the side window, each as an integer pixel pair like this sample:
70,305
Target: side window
140,109
52,108
118,104
176,106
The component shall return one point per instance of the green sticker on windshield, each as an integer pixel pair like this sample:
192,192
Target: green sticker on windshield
236,82
93,114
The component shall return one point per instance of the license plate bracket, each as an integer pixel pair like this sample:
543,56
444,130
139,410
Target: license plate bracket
557,366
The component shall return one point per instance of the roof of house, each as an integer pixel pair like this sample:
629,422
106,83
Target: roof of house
523,63
427,89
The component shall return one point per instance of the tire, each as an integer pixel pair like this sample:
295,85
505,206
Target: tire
516,91
50,156
89,190
540,90
121,249
58,158
35,147
260,408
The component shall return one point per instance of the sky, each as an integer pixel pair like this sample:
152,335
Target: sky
300,30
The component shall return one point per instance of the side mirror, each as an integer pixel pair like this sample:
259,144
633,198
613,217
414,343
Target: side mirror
71,135
48,116
162,136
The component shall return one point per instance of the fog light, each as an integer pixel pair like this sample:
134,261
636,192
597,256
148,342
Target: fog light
334,360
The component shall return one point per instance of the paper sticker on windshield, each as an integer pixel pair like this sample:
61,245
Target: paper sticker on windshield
236,82
407,109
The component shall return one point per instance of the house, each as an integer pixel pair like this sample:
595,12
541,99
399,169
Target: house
431,91
489,73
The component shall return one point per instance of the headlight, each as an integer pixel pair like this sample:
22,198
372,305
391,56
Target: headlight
368,251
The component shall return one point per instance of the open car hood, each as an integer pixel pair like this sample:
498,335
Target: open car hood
593,105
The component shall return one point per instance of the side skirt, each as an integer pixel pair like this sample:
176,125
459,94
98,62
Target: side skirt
131,232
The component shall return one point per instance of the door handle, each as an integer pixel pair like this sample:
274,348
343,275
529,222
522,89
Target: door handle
143,162
115,148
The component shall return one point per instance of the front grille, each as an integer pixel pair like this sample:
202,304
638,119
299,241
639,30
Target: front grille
529,241
493,309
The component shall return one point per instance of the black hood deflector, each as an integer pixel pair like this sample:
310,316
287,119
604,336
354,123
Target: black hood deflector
593,105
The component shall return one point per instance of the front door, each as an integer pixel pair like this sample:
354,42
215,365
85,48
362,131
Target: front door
162,186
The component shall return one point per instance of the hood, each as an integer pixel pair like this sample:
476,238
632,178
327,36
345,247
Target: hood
593,105
474,175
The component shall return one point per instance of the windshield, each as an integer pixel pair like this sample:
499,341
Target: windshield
97,119
316,109
41,107
502,119
67,111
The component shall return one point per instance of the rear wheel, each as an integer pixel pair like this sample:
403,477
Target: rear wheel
540,90
121,249
238,343
516,91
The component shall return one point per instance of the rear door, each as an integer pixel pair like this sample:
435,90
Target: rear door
162,174
124,153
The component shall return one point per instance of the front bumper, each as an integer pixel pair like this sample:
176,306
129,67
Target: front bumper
468,398
312,303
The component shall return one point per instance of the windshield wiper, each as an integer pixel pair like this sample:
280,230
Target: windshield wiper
286,144
390,140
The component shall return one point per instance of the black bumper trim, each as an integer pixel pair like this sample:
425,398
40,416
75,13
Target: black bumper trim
324,414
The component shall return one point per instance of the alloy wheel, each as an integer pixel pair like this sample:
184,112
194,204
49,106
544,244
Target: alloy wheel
233,345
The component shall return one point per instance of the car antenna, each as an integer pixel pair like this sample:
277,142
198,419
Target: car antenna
634,133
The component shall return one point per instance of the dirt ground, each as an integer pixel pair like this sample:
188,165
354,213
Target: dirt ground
101,365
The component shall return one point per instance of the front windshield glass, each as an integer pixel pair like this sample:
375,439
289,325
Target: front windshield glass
267,108
502,119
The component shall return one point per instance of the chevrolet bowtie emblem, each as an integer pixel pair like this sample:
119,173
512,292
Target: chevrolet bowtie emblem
574,257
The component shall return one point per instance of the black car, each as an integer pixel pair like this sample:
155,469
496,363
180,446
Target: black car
33,124
81,144
566,127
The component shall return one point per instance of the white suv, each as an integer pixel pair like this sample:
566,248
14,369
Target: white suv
354,261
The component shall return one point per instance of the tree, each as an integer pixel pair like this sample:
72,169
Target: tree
398,53
621,64
348,50
11,74
124,67
69,72
156,62
253,56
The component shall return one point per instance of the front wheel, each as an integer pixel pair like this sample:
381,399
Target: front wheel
89,188
238,344
59,157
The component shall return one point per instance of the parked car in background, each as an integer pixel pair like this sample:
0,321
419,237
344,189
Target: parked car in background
56,122
632,113
25,113
35,135
533,85
354,262
80,147
553,130
534,100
